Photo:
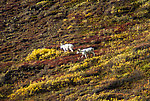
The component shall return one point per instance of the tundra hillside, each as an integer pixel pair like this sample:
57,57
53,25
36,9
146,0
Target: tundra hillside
33,67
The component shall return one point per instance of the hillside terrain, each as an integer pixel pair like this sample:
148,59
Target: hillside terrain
34,68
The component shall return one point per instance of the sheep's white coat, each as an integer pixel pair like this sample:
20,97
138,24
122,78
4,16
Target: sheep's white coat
85,51
67,47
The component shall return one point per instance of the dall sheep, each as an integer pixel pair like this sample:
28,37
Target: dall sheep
85,51
67,47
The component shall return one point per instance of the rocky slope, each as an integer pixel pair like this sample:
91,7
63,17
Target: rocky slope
32,66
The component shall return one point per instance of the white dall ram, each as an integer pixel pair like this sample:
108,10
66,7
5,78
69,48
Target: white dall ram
67,47
85,51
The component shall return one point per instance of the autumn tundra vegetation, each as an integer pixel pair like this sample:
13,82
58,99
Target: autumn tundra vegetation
34,68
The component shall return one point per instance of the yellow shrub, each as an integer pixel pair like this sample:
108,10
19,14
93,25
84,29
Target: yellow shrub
41,2
89,62
30,90
40,54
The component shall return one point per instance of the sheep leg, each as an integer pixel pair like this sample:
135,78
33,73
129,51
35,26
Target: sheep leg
93,53
71,49
65,50
82,56
85,56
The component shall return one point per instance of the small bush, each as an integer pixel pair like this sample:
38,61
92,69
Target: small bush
41,2
40,54
146,69
85,64
30,90
141,13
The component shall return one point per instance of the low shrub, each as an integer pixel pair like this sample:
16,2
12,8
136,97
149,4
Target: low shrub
146,69
40,54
